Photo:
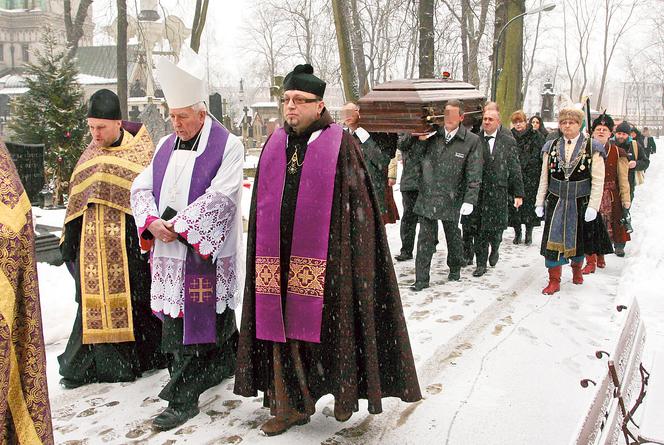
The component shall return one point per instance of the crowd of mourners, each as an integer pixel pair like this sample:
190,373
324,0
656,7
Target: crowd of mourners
153,238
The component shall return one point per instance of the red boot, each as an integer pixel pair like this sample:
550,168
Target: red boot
577,275
600,261
591,262
554,280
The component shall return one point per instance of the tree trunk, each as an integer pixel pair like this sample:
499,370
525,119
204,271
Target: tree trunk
358,49
464,40
200,14
508,87
122,56
425,15
348,79
74,29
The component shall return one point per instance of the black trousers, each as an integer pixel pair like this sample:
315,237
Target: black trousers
484,239
426,247
408,222
196,368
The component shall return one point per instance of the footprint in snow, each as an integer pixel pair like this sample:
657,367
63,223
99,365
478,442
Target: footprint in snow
434,388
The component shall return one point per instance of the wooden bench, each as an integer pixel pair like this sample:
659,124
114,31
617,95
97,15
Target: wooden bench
612,417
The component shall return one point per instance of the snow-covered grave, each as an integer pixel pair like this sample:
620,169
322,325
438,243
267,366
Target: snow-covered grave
498,362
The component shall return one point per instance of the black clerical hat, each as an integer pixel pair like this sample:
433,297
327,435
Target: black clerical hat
104,104
302,78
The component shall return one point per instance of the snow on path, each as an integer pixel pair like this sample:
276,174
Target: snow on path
498,361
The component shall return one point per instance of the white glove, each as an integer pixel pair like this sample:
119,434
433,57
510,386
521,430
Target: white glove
539,211
466,209
590,215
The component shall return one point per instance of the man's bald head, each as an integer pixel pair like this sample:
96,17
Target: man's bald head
490,121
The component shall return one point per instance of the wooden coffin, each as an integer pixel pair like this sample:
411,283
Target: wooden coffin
412,105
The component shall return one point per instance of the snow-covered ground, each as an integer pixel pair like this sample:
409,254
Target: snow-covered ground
498,362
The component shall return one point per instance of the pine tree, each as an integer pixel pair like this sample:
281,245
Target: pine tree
52,112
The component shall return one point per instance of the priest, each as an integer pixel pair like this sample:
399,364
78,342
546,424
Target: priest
25,413
187,209
322,312
115,337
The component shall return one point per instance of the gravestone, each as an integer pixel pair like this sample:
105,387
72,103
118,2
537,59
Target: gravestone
157,126
29,160
216,108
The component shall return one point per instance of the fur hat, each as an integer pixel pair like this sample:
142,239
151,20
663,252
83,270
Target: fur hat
605,120
623,127
573,114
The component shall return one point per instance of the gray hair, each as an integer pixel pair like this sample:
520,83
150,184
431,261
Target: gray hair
199,106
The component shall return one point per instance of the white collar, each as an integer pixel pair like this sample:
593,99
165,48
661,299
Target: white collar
362,134
573,140
450,134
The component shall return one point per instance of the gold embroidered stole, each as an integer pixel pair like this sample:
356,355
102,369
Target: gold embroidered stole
99,192
23,390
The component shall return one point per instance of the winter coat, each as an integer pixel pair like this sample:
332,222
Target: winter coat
412,150
529,148
451,175
501,181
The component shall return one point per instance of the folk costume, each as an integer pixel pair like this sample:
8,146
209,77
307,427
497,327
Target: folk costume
25,413
196,185
115,337
616,196
571,181
322,312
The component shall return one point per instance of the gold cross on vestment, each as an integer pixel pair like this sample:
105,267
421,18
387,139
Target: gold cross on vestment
305,276
112,230
266,275
200,290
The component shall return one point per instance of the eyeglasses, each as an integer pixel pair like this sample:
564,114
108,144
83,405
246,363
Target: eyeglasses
297,100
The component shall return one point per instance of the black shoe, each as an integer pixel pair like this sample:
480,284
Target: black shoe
481,270
71,383
493,258
455,275
404,257
174,416
529,236
418,286
620,251
517,235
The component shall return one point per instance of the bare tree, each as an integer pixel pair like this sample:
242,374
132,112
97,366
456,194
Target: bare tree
342,21
612,35
582,18
200,15
358,49
74,28
267,41
425,15
121,54
529,62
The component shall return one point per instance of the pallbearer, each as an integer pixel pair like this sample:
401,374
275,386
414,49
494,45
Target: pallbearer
187,209
115,335
322,312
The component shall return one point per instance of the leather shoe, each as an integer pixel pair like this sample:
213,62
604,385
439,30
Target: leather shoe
481,270
455,275
620,251
493,258
418,286
174,416
404,257
70,383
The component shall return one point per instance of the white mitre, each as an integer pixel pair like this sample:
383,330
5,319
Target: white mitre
183,84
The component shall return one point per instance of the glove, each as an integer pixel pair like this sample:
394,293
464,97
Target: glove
539,211
466,209
590,215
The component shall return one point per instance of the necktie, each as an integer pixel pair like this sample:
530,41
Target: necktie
448,138
488,138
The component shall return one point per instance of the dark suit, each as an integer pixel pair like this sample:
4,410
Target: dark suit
501,180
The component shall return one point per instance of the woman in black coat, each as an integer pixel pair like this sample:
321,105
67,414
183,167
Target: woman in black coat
538,125
529,145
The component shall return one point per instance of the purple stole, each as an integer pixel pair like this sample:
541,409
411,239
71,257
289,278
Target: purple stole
303,314
200,277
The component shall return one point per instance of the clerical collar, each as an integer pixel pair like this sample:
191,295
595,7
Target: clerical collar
362,134
118,142
191,144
